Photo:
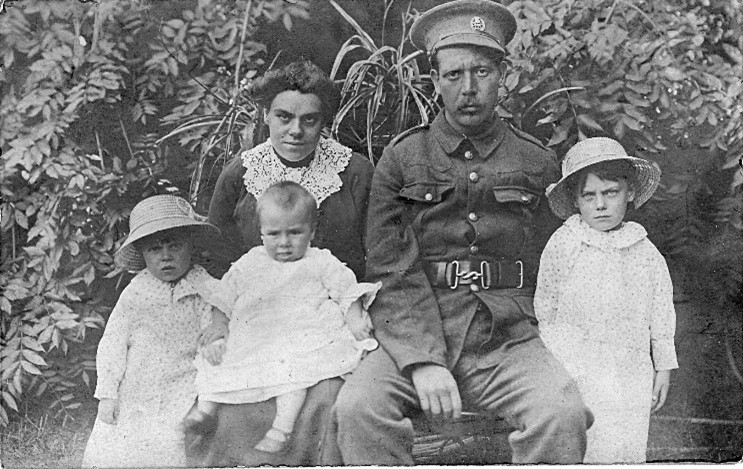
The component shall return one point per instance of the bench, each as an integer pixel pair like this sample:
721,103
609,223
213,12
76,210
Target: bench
474,439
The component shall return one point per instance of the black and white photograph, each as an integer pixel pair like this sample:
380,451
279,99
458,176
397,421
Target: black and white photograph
303,233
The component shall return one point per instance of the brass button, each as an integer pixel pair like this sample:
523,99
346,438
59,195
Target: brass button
472,216
474,249
474,176
429,196
474,287
468,155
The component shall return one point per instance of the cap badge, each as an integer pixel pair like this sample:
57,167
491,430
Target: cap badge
477,23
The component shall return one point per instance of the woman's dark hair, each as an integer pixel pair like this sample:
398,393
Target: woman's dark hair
611,170
303,76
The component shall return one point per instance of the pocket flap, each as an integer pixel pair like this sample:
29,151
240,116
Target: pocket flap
515,194
426,192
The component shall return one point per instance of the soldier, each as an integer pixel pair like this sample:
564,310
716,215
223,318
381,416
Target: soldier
457,221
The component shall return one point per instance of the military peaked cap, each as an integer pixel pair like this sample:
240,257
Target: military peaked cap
464,22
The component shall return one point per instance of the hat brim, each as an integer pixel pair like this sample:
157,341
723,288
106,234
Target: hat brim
647,178
128,257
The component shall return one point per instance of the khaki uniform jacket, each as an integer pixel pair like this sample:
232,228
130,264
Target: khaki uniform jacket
439,196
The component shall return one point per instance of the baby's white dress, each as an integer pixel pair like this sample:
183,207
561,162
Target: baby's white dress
146,361
287,328
604,301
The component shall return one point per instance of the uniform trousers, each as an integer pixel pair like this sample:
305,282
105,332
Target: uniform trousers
528,388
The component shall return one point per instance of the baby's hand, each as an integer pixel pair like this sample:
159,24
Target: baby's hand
359,323
214,331
108,411
213,352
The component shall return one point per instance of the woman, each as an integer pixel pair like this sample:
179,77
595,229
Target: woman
299,99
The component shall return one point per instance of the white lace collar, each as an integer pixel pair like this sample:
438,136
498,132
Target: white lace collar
623,237
321,177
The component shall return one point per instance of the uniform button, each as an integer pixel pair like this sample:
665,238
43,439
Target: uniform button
474,249
474,176
472,216
429,196
474,287
468,155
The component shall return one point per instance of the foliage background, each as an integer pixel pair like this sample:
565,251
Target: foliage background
106,103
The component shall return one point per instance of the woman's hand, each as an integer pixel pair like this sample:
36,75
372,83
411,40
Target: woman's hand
661,383
358,321
108,411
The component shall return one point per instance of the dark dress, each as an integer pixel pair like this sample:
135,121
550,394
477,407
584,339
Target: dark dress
340,229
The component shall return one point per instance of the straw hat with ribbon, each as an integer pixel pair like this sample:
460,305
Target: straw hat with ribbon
596,150
153,215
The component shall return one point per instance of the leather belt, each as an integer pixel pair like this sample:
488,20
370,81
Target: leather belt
483,273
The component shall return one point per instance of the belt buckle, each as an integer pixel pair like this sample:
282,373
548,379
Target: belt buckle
452,274
521,273
455,276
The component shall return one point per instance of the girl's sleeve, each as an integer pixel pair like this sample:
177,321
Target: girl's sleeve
663,319
342,286
113,349
552,268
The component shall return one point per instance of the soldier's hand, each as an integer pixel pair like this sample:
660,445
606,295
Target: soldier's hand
437,392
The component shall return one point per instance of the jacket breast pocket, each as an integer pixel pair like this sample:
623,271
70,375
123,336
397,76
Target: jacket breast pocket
518,191
426,192
428,214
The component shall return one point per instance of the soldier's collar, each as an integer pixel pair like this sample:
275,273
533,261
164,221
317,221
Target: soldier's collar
484,143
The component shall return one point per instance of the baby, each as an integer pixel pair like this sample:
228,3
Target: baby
297,317
604,297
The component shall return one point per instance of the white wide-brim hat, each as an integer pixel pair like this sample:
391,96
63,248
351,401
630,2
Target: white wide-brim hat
596,150
155,214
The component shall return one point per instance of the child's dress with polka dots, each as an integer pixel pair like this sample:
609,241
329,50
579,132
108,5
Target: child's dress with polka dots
604,302
146,361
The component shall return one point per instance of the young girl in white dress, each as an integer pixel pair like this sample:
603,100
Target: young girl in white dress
145,359
297,317
604,297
